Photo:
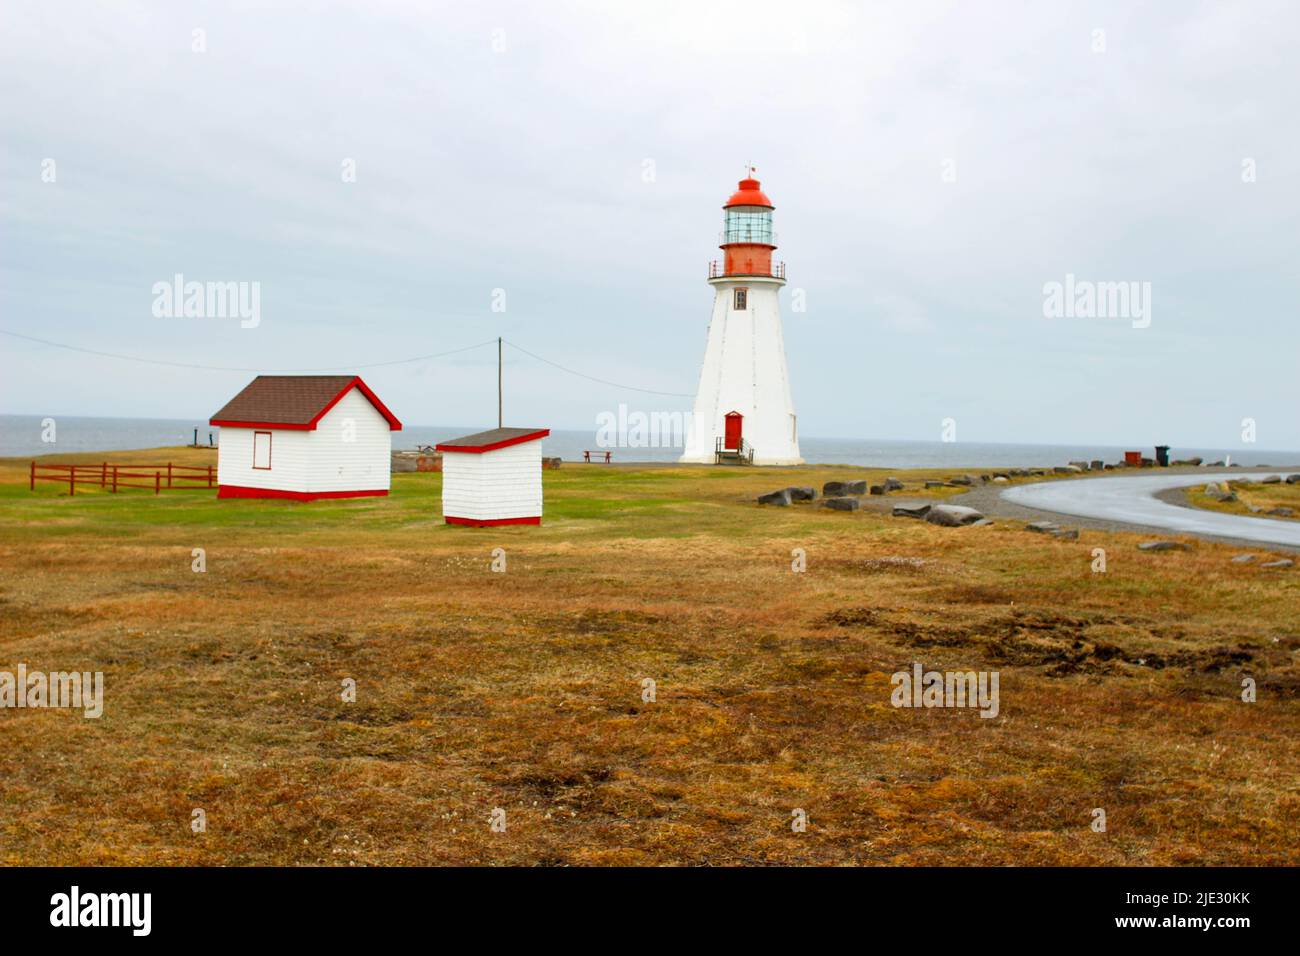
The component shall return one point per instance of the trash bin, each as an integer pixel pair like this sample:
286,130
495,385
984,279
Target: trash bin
1162,456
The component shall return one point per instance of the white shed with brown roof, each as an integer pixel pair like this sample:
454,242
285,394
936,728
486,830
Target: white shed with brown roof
304,437
493,477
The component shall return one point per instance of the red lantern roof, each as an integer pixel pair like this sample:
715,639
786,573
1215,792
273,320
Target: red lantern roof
748,195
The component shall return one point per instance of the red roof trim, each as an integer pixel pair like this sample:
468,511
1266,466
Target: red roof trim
491,522
227,423
393,423
479,449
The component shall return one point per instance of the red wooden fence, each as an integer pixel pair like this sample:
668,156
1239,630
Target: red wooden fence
113,477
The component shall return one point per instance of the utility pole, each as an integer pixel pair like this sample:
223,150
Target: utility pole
500,423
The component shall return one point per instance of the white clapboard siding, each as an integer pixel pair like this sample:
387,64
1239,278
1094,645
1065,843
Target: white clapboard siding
289,459
361,464
493,485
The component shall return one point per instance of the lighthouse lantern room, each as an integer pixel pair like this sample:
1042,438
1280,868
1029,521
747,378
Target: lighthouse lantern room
744,377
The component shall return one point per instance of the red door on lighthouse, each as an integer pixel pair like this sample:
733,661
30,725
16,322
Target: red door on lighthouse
731,431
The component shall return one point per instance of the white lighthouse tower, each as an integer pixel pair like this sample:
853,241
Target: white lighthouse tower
743,411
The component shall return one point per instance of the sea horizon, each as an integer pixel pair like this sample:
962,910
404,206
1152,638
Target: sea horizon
21,436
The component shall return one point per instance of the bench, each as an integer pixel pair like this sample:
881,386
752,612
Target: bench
586,456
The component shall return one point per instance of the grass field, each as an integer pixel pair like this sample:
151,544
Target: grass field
523,690
1264,497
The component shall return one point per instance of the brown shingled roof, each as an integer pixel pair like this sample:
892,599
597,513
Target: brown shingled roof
293,401
492,440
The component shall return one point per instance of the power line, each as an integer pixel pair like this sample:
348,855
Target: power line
331,368
592,378
231,368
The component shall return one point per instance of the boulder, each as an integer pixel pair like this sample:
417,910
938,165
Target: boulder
1081,465
877,489
1001,480
1220,493
838,489
1281,512
892,484
841,503
1097,464
952,516
1293,479
935,484
1066,534
960,480
1280,563
1042,527
1270,479
1162,546
911,511
802,494
1243,559
781,497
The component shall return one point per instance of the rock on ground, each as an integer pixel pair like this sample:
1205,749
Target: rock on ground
842,503
953,516
836,489
781,497
911,511
1162,546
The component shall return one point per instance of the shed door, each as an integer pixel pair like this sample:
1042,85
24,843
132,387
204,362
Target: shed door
731,431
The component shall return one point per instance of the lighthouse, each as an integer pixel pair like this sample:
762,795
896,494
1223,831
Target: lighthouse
743,410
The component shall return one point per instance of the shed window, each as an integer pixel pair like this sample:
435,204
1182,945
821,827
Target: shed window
262,451
742,295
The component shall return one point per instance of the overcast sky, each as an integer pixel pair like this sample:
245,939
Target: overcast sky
932,167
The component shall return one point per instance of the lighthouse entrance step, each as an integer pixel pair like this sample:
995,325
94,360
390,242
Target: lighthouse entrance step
743,454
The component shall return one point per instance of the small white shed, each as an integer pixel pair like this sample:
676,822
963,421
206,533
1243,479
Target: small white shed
304,437
493,477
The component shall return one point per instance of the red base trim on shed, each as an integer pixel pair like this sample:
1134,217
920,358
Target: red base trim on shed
238,491
492,522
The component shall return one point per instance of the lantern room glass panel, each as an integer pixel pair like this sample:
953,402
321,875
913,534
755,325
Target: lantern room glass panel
748,226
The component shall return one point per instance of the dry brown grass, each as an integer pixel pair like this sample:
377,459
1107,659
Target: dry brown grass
1261,496
523,690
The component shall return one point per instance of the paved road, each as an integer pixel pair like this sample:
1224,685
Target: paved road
1132,500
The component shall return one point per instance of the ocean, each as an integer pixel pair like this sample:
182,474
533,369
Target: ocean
22,436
